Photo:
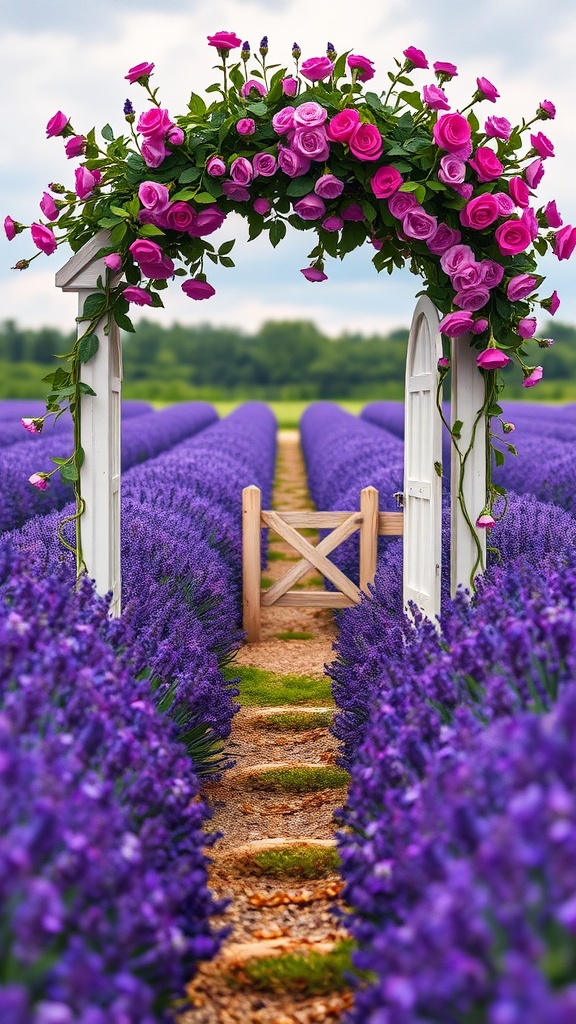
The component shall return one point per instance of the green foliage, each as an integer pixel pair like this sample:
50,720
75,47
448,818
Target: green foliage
300,778
298,862
309,974
270,689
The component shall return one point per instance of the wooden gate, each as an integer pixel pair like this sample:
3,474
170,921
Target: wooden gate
422,459
370,523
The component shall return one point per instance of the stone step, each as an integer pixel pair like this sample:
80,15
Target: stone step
290,859
285,709
289,776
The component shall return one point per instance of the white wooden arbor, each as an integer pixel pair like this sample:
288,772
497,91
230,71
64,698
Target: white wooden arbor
422,528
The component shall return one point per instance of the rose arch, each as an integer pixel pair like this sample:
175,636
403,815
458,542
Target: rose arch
450,193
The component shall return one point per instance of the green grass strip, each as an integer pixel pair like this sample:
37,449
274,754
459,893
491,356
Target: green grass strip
294,634
300,779
309,974
299,862
269,689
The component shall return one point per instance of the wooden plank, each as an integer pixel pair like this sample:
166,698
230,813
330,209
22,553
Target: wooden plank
391,524
251,564
315,599
310,520
368,536
314,555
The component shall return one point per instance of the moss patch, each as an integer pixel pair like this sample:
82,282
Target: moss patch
299,862
299,721
294,634
309,973
300,779
266,582
269,689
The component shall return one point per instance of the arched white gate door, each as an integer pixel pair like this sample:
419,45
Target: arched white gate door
422,454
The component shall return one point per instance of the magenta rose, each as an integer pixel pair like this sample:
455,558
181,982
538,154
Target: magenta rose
139,72
333,223
224,41
542,145
488,90
553,218
311,143
464,190
480,325
264,164
329,186
416,57
565,242
10,228
520,286
283,121
56,124
452,170
86,181
309,115
498,128
366,142
481,212
512,237
314,274
75,146
289,86
486,164
207,220
352,212
491,273
153,196
363,67
547,109
262,206
519,192
246,126
113,261
238,193
527,327
452,132
48,207
196,288
293,164
154,122
418,224
343,125
137,296
175,136
435,98
39,480
442,239
154,151
180,216
534,173
454,325
310,207
472,298
492,359
467,276
385,182
505,204
316,69
528,218
151,260
241,171
253,85
456,258
215,167
552,304
533,377
443,67
486,521
400,203
43,238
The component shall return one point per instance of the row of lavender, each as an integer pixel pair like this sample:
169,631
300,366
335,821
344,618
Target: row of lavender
460,844
20,420
103,729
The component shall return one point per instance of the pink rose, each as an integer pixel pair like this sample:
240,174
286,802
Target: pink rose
480,325
154,151
48,207
264,164
452,170
362,65
442,67
488,90
316,69
486,521
456,258
311,143
196,288
491,273
527,327
138,296
309,115
498,128
10,228
333,223
505,203
43,238
207,220
385,182
175,136
151,260
86,181
442,239
253,85
512,237
352,212
56,124
416,57
313,274
75,146
547,108
565,242
553,218
215,167
241,171
246,126
225,41
534,173
329,186
486,164
39,480
520,286
552,304
542,145
32,424
467,276
293,164
435,98
533,377
283,121
180,216
419,224
472,298
452,132
528,218
443,363
154,122
262,206
343,125
153,196
481,212
492,359
366,142
289,86
454,325
238,193
311,207
519,192
139,72
113,261
464,190
400,203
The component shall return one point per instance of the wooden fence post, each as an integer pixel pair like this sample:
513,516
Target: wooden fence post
251,561
368,536
100,429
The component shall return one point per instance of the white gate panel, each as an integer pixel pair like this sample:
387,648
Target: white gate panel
422,449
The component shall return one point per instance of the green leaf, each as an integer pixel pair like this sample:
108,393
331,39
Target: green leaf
196,105
438,468
87,347
119,211
124,322
94,306
413,99
374,102
277,232
226,247
85,389
117,234
183,195
149,229
498,457
259,109
473,121
69,473
109,222
300,187
457,429
190,174
227,262
107,133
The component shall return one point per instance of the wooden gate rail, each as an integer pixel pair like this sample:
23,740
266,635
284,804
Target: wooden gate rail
368,521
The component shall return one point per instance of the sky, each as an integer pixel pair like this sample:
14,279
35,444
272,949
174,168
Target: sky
73,57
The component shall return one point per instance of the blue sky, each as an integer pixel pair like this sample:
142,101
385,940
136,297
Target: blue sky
73,57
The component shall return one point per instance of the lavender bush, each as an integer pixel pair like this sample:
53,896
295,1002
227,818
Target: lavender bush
13,432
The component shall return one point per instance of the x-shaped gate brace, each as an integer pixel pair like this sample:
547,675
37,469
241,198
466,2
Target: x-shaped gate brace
369,521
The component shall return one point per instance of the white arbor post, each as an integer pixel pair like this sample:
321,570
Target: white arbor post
422,458
100,429
467,400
